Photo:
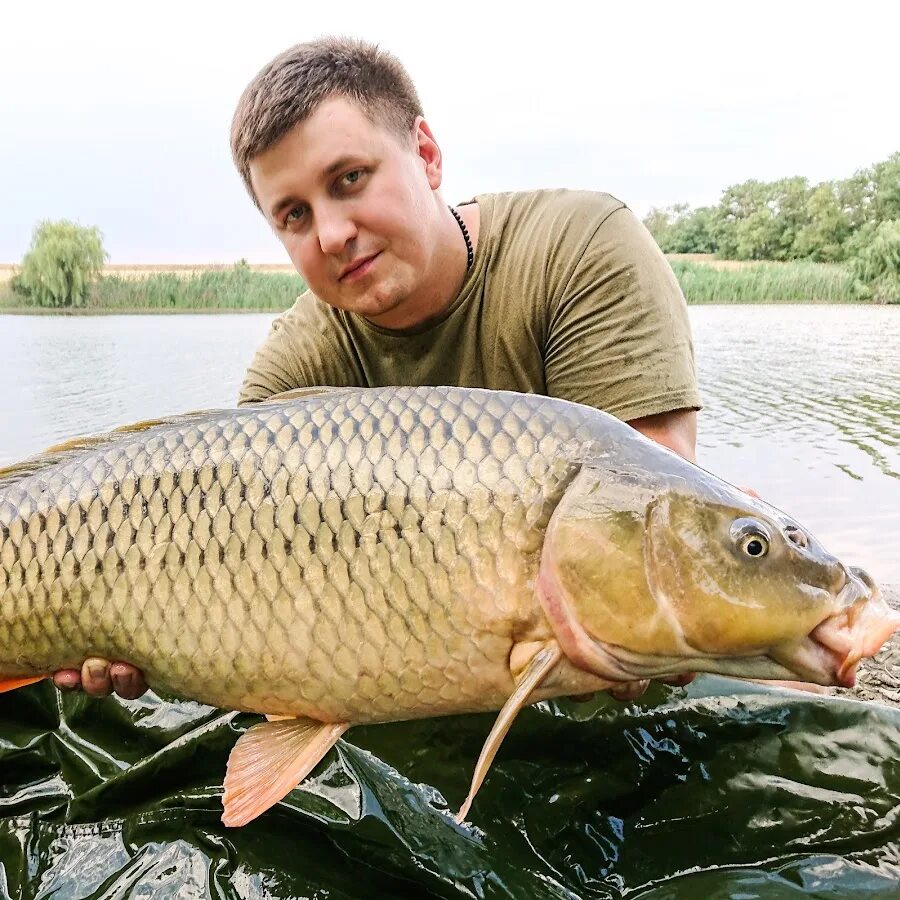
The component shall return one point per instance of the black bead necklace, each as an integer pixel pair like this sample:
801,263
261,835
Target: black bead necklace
470,253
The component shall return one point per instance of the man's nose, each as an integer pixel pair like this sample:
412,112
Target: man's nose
335,231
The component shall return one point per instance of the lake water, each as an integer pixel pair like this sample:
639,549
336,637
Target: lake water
802,403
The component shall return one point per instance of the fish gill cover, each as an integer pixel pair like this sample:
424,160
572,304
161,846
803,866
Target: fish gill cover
723,790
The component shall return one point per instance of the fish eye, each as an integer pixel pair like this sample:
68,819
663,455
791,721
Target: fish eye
751,536
755,545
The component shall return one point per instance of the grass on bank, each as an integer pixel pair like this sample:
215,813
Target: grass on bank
239,289
789,282
243,289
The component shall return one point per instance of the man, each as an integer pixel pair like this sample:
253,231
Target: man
556,292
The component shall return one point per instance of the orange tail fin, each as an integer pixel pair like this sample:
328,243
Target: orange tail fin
13,683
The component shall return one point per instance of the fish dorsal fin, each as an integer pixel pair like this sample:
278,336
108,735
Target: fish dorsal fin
55,454
269,761
307,393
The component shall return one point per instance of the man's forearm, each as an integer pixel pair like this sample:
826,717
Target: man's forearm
676,430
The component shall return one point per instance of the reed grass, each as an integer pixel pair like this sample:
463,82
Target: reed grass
788,282
242,289
237,289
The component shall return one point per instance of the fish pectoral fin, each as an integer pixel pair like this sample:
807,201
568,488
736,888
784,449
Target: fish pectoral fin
542,664
12,683
270,760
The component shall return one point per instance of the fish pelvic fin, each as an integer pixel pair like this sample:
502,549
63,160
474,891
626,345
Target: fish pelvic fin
542,664
10,684
269,761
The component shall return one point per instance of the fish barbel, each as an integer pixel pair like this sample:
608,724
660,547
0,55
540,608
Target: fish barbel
343,556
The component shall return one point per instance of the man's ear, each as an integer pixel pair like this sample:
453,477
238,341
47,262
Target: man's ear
427,149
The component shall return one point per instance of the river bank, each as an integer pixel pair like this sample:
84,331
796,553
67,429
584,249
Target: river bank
126,289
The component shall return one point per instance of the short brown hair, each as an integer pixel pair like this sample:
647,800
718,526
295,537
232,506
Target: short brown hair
289,89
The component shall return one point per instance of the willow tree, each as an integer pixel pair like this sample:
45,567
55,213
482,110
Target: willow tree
63,260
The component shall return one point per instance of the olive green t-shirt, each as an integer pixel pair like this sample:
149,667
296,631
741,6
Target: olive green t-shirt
568,296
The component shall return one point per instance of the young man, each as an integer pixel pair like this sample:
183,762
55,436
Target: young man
561,293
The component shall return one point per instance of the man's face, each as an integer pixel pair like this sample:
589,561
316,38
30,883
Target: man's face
355,207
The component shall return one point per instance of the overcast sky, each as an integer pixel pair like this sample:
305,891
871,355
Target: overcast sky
117,114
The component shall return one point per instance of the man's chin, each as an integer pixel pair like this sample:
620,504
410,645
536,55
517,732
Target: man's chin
383,311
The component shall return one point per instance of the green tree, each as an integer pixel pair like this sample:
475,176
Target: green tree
63,260
877,260
761,220
827,228
740,226
657,222
678,229
692,232
886,182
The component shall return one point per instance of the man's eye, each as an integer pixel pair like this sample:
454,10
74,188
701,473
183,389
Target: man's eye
354,176
295,214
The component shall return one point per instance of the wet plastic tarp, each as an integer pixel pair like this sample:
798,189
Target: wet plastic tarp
743,792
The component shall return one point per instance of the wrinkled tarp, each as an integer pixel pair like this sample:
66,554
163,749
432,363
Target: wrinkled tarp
745,792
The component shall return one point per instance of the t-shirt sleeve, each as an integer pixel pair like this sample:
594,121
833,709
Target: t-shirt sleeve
306,347
619,337
272,369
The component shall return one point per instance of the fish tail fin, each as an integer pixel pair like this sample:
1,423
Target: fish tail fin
10,684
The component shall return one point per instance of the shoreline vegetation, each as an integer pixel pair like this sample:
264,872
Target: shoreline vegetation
785,241
139,289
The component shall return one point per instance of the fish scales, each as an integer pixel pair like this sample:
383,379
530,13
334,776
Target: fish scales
356,556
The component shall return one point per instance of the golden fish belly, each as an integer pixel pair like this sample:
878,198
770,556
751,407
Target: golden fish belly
363,555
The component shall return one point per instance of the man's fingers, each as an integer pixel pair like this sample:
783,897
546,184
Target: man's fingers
95,677
67,679
679,680
99,678
128,682
629,690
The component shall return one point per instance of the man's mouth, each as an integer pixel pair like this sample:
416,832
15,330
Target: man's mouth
358,268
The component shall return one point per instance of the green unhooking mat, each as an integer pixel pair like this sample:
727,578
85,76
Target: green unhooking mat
721,790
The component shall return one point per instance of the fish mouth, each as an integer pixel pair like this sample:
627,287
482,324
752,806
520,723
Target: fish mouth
830,653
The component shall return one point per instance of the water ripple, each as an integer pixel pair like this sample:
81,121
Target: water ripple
803,404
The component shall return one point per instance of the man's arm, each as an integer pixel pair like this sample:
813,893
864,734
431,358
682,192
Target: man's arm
676,430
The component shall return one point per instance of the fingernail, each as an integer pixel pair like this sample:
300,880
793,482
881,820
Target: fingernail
96,671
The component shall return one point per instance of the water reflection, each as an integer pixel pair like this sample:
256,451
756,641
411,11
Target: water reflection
802,403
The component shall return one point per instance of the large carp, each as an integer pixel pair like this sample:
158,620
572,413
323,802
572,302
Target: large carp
344,556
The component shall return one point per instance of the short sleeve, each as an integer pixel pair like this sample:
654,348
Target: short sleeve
619,336
271,371
308,346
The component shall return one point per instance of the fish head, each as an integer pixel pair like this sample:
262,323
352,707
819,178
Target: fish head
645,575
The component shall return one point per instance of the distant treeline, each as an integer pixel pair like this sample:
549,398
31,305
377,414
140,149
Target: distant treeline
855,221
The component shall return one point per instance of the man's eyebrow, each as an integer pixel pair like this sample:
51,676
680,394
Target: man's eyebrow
282,204
324,175
337,165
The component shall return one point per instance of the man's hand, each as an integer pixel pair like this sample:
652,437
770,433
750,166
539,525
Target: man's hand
99,678
631,690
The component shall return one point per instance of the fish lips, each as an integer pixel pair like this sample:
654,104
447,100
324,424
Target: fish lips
831,652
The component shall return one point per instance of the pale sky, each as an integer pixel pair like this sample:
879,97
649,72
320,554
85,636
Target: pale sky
117,114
